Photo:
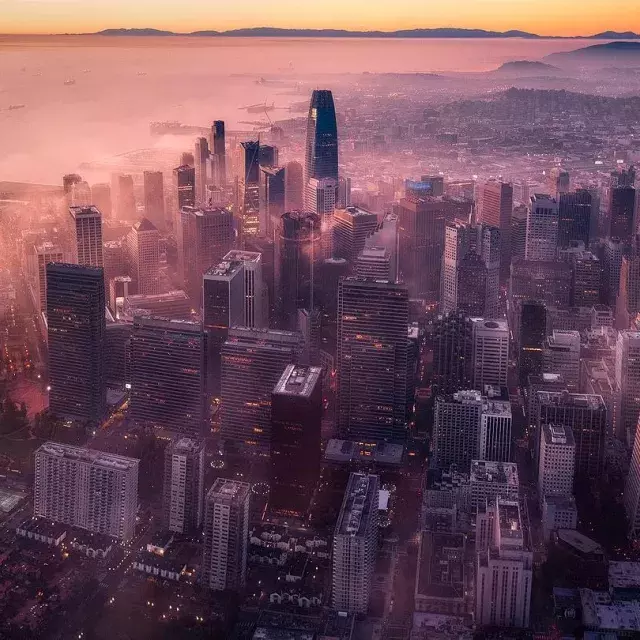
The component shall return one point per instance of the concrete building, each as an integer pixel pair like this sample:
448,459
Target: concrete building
42,255
490,353
495,431
226,535
561,354
355,544
351,227
632,490
489,479
504,571
85,488
556,467
154,199
542,228
373,263
86,230
183,485
558,512
142,255
628,382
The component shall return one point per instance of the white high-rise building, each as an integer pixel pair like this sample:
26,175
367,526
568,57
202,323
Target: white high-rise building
489,479
495,431
320,198
556,466
632,490
226,535
85,488
504,571
490,340
142,249
183,486
561,354
355,544
43,255
542,228
628,383
255,303
86,223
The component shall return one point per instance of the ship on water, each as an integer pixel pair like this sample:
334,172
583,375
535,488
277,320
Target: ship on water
261,107
175,128
13,107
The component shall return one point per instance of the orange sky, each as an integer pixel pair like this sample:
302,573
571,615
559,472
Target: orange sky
546,17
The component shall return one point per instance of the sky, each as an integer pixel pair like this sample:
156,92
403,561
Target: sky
545,17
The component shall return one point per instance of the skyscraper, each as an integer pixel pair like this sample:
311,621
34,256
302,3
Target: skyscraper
218,146
542,228
355,543
86,225
249,190
142,254
85,488
154,198
351,228
532,332
321,151
622,213
628,384
204,237
296,425
101,198
201,157
577,218
495,431
372,359
226,535
294,187
43,255
124,195
185,186
76,337
456,246
452,353
632,489
298,257
561,354
168,375
183,485
253,361
490,353
495,207
272,204
557,461
472,285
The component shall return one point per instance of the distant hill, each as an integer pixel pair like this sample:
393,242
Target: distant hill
134,32
616,35
520,66
618,50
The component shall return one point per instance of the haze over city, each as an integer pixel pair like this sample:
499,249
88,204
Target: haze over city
319,322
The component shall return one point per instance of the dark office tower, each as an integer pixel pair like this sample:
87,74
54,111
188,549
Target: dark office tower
372,360
577,218
185,185
624,177
537,280
183,486
614,250
76,341
321,152
268,156
187,159
437,184
204,238
298,256
532,332
201,156
142,256
154,199
344,193
267,248
249,190
296,425
586,279
622,206
559,181
101,198
117,354
86,230
421,245
518,241
586,415
452,353
218,145
252,363
294,187
472,285
495,207
272,197
125,199
168,375
351,227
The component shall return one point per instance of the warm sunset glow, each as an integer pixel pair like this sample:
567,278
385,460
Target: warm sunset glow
546,17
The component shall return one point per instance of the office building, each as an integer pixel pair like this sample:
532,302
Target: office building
183,486
296,425
351,228
76,341
504,571
622,211
168,375
532,333
586,415
548,282
490,353
386,236
458,240
627,370
373,263
42,255
489,480
355,542
272,205
577,218
253,361
586,279
495,205
205,236
473,286
294,187
489,249
298,257
249,190
452,353
226,535
201,159
632,489
321,198
154,199
561,354
518,241
219,152
142,256
86,234
456,429
495,431
542,228
184,178
559,181
344,193
101,198
558,512
556,468
86,488
372,359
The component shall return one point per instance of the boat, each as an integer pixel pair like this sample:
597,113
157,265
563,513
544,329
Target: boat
69,81
13,107
259,108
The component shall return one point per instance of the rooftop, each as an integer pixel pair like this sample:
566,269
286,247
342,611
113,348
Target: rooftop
298,380
89,456
351,451
510,521
558,434
355,212
494,472
168,323
580,542
624,574
359,498
85,212
186,445
441,565
145,225
226,489
565,398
